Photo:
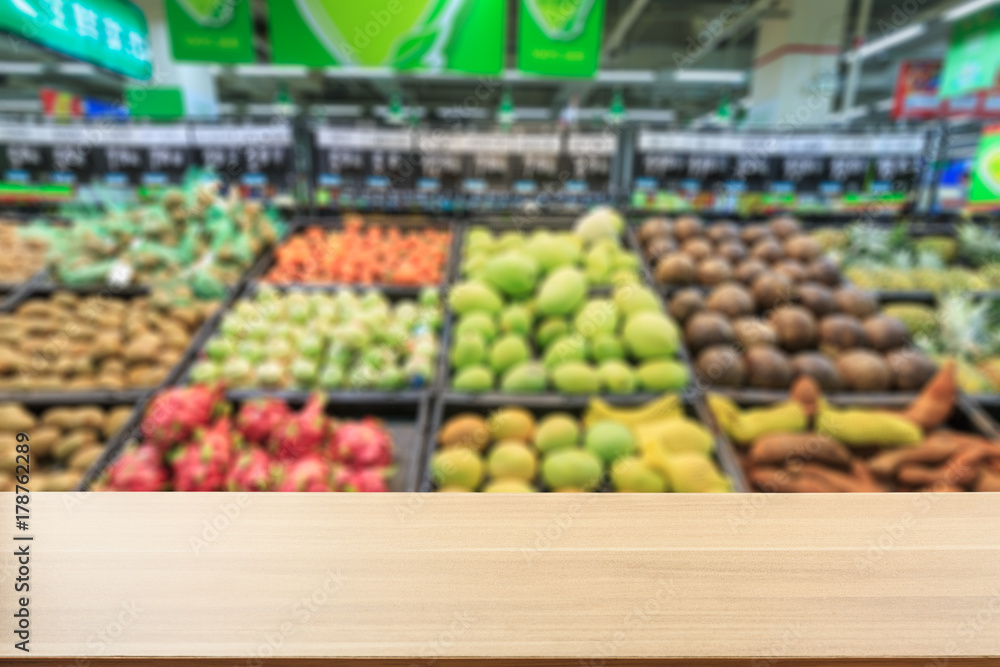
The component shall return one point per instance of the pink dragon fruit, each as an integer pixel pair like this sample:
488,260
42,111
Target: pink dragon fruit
310,473
301,433
362,444
139,469
174,415
258,419
369,480
203,464
253,470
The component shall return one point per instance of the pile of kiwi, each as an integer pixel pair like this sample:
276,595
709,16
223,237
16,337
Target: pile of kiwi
761,306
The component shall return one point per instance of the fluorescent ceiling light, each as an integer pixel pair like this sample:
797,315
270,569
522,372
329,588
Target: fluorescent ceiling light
967,8
343,110
709,76
359,72
651,115
278,71
76,69
461,113
889,41
20,68
884,105
626,76
532,113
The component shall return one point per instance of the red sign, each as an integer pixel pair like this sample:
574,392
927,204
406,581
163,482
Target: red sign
917,86
58,104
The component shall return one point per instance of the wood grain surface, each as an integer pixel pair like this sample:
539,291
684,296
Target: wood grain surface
427,579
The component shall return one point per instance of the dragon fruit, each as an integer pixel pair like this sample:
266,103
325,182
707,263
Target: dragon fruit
310,473
174,415
258,419
301,433
139,469
370,480
203,464
253,470
362,444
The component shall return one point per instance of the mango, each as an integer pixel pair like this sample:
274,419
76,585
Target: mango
598,316
598,265
513,273
512,459
512,240
664,375
558,430
512,424
602,222
617,377
550,330
633,475
508,352
459,467
609,441
472,296
473,380
551,251
477,323
674,435
478,239
516,319
474,266
571,468
575,377
568,348
862,428
525,378
509,486
561,292
632,299
651,335
467,430
605,347
469,349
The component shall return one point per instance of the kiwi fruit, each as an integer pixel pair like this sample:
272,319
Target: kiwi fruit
676,269
819,367
685,303
823,271
686,227
795,328
864,370
784,227
841,332
856,302
654,228
699,249
911,369
816,298
767,250
713,271
706,329
768,368
659,247
749,270
752,331
721,231
795,271
733,251
731,300
885,332
721,366
803,248
753,233
771,290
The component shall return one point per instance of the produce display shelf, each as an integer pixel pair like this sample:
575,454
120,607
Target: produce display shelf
450,405
406,421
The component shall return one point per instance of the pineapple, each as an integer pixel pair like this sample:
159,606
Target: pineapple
978,244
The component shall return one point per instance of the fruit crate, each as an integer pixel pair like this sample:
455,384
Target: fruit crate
300,225
447,407
36,290
182,374
966,418
405,421
45,440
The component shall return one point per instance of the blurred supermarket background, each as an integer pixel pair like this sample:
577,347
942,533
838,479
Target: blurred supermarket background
316,244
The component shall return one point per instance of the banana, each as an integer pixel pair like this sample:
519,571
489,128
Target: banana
664,407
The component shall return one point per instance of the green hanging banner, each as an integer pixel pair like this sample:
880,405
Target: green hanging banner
973,58
560,37
465,36
214,31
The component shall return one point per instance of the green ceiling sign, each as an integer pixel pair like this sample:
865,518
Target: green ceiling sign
108,33
973,58
560,37
985,188
219,31
427,35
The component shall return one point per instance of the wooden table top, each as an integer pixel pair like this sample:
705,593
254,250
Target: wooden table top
542,579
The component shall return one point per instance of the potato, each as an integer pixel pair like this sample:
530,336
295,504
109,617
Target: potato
84,457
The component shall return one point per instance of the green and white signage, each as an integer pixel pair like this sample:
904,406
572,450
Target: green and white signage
429,35
108,33
985,188
218,31
560,37
973,59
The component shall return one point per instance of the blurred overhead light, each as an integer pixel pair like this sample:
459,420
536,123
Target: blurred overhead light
20,68
710,76
359,72
626,76
967,8
76,69
278,71
889,41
